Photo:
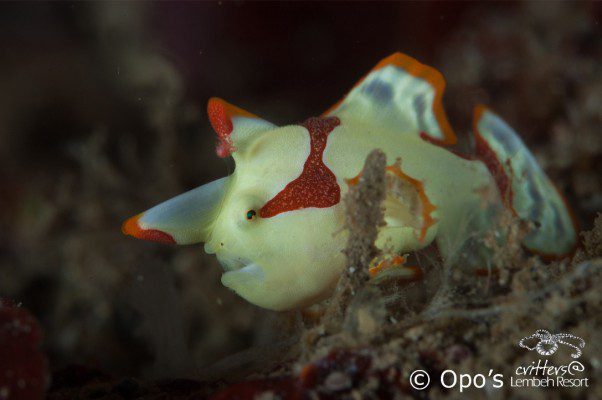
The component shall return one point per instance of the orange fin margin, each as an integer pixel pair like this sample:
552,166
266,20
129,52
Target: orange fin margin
221,114
426,73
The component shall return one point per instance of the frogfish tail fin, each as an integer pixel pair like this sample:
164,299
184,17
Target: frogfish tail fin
524,186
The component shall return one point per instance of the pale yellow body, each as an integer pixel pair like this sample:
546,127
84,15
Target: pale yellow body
307,259
297,254
453,184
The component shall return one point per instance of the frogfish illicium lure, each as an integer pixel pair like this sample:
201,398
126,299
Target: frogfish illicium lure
277,223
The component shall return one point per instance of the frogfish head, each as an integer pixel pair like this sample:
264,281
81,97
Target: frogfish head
277,250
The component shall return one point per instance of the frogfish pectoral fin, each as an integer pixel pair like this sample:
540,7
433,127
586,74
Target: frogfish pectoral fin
184,219
410,216
393,266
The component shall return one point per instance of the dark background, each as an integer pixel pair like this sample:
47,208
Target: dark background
102,116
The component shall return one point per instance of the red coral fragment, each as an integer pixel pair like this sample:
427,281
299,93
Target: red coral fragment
354,365
337,375
23,367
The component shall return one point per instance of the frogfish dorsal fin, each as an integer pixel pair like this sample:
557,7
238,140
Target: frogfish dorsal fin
184,219
233,125
399,94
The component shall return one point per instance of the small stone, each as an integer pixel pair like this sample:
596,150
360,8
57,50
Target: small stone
337,381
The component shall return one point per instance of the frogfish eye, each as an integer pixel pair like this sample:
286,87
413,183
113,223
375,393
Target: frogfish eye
251,215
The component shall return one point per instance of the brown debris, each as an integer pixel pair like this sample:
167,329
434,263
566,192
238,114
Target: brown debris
592,240
364,216
347,306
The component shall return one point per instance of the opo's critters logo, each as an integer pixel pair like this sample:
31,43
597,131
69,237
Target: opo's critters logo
540,373
547,343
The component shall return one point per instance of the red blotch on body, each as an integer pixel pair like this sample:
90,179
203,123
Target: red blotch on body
222,125
132,227
317,185
155,235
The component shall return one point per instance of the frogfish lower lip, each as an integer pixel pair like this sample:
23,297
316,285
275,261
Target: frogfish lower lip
132,227
230,263
251,273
